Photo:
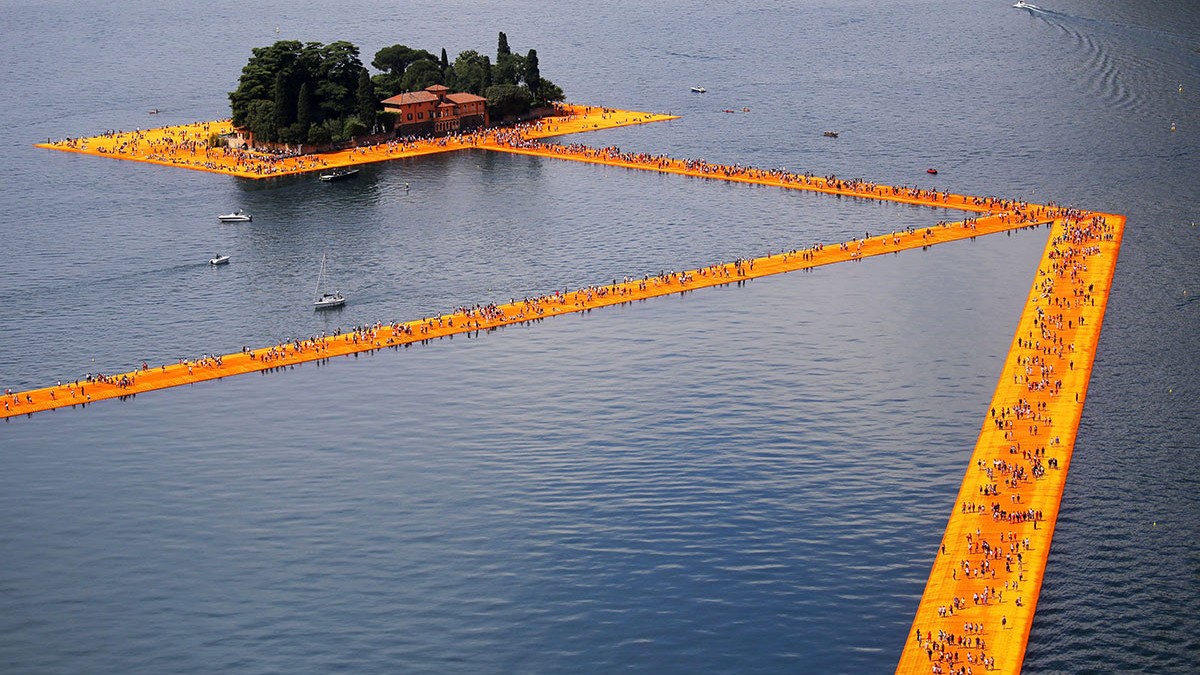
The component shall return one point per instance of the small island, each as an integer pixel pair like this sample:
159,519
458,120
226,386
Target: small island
308,107
292,94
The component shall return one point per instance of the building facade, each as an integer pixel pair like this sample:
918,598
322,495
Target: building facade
434,111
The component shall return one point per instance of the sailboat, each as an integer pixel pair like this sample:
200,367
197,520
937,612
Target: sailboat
326,300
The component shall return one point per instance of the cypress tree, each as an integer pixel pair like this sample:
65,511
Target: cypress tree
533,78
281,118
366,99
303,111
502,49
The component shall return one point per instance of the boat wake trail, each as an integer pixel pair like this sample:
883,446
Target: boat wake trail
1110,51
126,282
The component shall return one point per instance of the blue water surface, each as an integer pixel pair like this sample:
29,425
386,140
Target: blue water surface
747,479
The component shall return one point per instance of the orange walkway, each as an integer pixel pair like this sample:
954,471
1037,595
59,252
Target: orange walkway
145,379
522,143
979,603
982,592
186,146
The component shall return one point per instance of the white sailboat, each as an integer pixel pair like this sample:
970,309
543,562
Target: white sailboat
326,300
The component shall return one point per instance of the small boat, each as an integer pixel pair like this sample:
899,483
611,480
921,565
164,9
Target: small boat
338,174
219,260
932,172
698,90
326,300
154,111
1021,4
831,134
238,216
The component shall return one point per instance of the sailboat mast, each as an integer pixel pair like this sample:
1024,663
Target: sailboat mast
320,277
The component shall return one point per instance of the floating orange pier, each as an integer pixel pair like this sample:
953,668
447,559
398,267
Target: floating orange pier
979,602
187,146
978,605
389,334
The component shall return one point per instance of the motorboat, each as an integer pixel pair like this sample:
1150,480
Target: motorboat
830,134
326,300
932,172
238,216
219,260
338,174
1021,4
698,90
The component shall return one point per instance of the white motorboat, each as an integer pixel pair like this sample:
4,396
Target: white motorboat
219,260
325,299
238,216
699,90
338,174
1021,4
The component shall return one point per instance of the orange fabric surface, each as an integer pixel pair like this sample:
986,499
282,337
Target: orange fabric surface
1038,403
389,334
968,616
185,146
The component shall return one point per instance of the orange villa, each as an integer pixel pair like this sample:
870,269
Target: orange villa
434,110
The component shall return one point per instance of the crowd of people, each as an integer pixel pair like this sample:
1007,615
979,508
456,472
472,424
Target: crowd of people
1043,360
530,308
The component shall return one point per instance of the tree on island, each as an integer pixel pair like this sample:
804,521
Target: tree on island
510,85
472,72
394,62
293,92
544,91
368,103
509,66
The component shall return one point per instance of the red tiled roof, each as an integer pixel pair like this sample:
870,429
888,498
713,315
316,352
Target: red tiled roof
409,97
435,88
464,98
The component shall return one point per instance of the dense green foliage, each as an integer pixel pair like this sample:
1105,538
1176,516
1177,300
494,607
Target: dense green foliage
512,83
297,92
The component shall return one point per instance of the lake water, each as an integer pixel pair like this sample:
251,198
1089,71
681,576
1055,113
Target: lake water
749,479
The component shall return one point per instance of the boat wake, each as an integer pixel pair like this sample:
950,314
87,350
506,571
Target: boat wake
1111,51
68,289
